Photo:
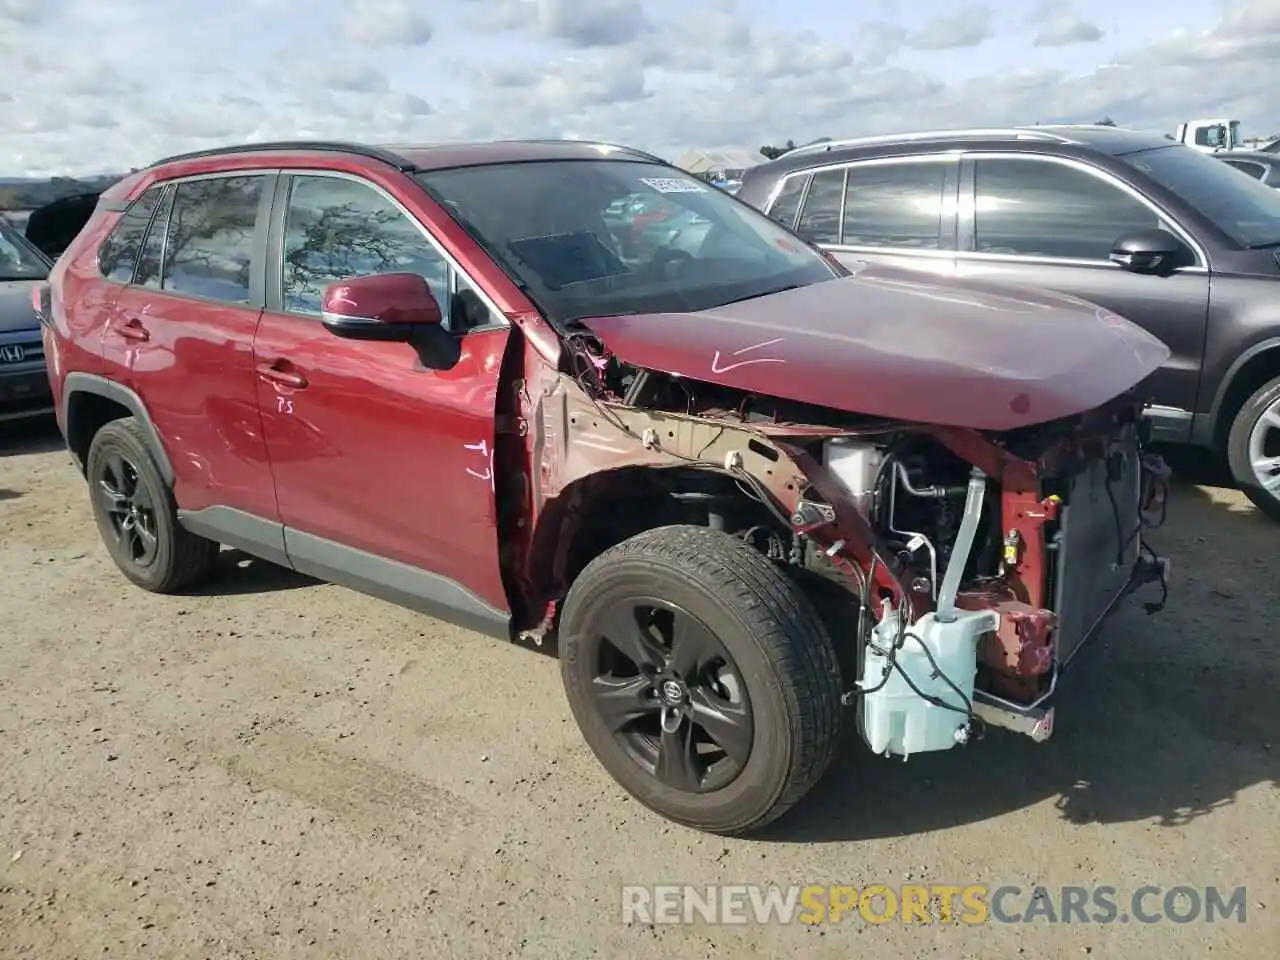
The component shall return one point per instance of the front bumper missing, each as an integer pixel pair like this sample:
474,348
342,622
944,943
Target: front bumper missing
1035,720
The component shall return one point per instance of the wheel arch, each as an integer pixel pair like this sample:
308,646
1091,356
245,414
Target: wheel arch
89,402
602,509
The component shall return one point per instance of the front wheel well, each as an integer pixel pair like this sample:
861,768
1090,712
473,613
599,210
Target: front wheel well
600,511
1257,370
87,413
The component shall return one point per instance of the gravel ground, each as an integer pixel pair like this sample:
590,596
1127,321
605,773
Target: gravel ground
281,768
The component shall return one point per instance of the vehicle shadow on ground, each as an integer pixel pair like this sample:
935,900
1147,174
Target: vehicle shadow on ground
1162,718
38,435
238,573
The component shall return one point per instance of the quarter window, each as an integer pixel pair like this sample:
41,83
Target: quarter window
208,251
787,203
119,253
820,218
895,205
336,229
1043,209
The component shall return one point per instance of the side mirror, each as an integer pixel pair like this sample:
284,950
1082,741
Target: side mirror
388,306
1148,251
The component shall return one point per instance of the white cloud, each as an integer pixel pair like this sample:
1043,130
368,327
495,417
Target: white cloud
100,85
385,23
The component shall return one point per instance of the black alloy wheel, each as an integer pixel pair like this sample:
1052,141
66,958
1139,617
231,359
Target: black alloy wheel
672,696
129,508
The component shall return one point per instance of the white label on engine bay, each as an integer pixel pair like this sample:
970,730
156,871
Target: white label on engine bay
673,185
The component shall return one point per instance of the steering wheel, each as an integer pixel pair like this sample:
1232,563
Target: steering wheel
668,262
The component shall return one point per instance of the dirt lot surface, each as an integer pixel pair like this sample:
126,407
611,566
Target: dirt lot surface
280,768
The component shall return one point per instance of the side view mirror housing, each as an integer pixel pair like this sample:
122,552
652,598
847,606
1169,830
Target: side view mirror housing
391,307
1149,251
388,306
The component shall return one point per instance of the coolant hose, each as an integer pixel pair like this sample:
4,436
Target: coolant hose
946,610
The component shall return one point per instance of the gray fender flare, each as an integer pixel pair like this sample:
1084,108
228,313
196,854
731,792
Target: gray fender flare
92,383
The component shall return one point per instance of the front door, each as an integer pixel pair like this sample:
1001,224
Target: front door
383,468
183,328
1047,223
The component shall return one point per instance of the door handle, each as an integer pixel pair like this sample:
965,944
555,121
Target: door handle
132,329
272,373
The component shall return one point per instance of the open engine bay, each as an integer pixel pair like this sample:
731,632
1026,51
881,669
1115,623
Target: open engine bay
981,562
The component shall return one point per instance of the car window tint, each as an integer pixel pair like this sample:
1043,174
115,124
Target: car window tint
820,218
1255,170
787,204
894,205
1043,209
336,229
148,271
209,245
119,253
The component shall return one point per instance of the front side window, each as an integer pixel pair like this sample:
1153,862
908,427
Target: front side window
1039,208
336,229
1245,209
562,229
820,217
897,205
208,249
119,253
18,260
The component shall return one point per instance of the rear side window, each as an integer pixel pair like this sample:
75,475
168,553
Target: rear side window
208,250
1043,209
149,256
897,205
119,253
820,218
787,204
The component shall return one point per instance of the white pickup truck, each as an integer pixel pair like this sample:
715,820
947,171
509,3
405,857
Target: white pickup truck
1211,135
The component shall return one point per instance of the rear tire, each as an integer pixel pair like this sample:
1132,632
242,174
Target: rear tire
741,684
136,514
1253,449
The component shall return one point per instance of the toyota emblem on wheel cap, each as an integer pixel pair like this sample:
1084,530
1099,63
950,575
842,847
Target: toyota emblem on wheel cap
672,692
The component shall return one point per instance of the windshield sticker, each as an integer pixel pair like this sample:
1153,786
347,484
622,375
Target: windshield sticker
673,185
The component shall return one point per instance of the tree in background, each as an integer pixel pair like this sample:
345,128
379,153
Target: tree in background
773,153
1106,122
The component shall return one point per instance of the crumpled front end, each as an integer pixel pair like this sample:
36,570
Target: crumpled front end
973,564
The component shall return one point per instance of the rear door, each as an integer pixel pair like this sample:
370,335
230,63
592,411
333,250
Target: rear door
1052,222
383,468
897,210
183,329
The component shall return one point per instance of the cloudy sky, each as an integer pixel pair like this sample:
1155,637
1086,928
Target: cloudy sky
98,85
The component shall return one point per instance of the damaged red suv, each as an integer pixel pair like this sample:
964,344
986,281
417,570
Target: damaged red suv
746,493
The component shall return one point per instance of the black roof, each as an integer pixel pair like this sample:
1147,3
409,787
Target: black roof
409,158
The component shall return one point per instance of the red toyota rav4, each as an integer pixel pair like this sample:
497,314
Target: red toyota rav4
739,487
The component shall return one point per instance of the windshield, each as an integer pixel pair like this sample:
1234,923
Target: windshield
1244,208
18,259
590,238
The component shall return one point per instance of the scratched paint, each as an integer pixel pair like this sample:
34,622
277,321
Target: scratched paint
716,366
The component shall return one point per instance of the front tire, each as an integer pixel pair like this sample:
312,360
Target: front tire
136,514
1253,449
702,678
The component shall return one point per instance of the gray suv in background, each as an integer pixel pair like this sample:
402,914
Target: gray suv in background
1163,235
24,383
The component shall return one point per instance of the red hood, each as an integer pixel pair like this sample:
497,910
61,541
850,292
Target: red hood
897,344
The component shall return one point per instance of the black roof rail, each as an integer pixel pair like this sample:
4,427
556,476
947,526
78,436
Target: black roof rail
402,164
642,154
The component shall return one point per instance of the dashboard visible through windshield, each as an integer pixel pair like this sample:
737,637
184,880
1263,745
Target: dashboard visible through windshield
590,238
18,259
